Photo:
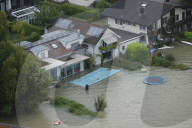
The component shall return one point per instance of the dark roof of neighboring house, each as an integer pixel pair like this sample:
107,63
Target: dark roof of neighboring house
73,25
125,35
128,10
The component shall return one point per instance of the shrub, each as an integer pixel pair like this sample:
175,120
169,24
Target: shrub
70,9
26,28
166,63
138,52
100,103
91,14
102,4
169,57
157,61
34,37
58,85
188,36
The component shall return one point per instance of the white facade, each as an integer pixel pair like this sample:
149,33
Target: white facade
94,49
124,26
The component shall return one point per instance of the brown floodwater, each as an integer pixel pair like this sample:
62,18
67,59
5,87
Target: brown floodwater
131,103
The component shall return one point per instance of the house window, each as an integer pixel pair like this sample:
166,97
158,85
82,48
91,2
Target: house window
123,47
77,68
117,21
177,17
142,27
104,44
75,45
164,21
43,55
154,26
142,38
63,72
183,15
54,46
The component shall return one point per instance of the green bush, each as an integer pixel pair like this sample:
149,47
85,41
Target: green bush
170,57
58,85
72,106
102,4
100,103
138,52
188,36
29,29
71,9
91,14
34,37
157,61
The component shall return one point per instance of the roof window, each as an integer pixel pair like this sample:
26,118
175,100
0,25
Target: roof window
54,46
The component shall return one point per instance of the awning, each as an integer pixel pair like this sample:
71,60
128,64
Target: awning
52,63
110,40
76,58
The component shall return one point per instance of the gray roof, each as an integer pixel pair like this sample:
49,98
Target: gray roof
73,36
124,34
35,50
128,10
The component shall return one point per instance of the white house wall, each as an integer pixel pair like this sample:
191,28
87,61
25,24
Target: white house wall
178,11
134,29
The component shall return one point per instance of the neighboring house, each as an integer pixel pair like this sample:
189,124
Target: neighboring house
22,10
84,3
146,17
95,36
61,52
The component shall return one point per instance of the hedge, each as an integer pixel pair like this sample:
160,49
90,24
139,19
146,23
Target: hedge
28,28
32,38
70,9
157,61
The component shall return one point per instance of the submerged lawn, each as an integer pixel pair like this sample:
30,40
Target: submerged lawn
72,106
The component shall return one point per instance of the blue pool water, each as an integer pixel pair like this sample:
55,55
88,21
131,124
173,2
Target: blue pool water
94,77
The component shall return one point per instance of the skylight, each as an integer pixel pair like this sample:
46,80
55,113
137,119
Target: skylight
54,46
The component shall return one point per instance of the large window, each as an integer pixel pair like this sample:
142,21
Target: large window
142,27
2,5
63,72
117,21
77,68
177,17
164,21
69,70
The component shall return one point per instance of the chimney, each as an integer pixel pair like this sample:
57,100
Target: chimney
142,8
78,32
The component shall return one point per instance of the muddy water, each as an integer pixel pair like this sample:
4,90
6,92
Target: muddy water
131,104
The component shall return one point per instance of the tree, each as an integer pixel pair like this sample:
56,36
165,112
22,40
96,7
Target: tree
11,61
32,86
186,2
47,16
138,52
4,26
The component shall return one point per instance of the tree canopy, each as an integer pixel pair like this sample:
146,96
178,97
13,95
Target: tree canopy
138,52
33,85
4,26
47,16
11,61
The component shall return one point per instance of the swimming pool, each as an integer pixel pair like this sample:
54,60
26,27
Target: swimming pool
95,76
